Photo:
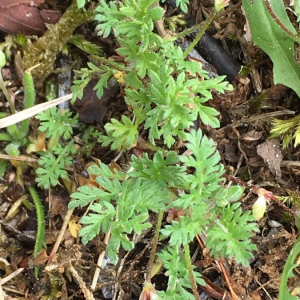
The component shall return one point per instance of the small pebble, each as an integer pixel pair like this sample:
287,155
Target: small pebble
274,224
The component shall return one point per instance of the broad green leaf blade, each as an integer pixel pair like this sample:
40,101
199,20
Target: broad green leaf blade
287,273
274,40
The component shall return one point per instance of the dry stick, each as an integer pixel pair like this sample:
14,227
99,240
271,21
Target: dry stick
159,24
87,293
289,163
2,295
30,112
15,291
233,294
99,262
220,264
60,236
6,279
119,271
11,276
19,158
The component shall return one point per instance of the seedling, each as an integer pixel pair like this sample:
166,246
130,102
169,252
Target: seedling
165,94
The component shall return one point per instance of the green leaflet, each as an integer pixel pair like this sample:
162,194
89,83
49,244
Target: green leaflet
274,40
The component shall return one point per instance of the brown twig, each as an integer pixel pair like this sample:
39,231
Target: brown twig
233,294
11,276
30,112
99,262
87,293
159,24
60,236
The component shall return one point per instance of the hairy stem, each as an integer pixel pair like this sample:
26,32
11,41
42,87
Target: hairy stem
190,270
154,245
198,26
107,61
208,21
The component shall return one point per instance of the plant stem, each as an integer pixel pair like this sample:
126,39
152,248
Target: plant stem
190,270
255,190
61,156
198,26
279,23
207,22
5,92
186,32
159,24
154,245
107,61
141,143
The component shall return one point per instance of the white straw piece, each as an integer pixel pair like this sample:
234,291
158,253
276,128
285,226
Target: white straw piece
30,112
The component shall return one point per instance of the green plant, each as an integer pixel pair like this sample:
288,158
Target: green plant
17,134
165,94
58,128
287,130
41,228
274,33
291,263
147,186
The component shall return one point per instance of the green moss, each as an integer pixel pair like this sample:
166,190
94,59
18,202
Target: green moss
46,48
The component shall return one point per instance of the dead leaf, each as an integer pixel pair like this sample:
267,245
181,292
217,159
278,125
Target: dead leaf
91,109
38,143
41,258
230,153
270,151
252,135
59,206
74,226
25,17
22,19
10,3
50,16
